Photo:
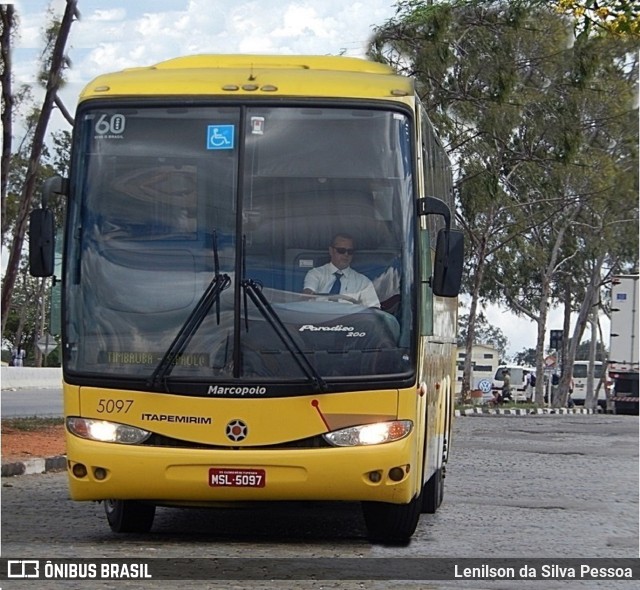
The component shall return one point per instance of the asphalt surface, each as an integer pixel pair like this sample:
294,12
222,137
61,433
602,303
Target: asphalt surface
520,487
18,403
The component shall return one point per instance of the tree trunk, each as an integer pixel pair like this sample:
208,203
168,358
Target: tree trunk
541,321
54,78
471,327
591,297
566,361
6,11
591,370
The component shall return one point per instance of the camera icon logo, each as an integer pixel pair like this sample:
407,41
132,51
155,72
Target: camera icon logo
23,568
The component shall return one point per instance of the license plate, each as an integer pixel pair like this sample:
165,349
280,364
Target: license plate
221,477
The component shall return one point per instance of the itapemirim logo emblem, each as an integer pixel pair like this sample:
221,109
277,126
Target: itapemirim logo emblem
236,430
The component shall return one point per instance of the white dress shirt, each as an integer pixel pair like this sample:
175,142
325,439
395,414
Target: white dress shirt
352,283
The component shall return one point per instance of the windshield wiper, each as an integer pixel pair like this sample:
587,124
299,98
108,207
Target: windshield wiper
211,295
189,328
251,288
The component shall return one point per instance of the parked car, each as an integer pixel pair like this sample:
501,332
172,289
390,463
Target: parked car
519,381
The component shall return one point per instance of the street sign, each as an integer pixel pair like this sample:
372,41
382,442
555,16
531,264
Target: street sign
47,344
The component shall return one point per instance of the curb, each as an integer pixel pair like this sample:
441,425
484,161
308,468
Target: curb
522,412
35,466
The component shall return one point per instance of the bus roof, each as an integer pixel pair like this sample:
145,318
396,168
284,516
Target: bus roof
233,75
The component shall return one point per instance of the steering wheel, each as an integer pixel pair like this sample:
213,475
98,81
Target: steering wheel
338,297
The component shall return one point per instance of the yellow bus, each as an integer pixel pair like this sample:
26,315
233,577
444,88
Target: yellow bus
199,366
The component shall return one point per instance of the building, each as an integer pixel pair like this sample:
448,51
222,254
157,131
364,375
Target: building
485,359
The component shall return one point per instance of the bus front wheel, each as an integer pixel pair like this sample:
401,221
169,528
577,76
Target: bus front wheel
129,516
391,523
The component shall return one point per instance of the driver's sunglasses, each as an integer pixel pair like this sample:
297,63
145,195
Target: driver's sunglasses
348,251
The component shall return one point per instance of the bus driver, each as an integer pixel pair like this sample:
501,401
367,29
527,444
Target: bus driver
337,276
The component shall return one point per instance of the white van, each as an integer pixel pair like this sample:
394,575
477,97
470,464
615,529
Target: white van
579,379
519,380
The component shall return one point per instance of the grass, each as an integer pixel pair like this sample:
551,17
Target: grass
33,423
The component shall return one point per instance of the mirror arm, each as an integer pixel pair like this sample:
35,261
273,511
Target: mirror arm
433,206
54,185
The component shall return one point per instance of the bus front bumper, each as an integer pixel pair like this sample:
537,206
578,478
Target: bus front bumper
382,473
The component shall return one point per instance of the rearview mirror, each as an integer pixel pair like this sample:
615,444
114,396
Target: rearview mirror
42,230
42,235
447,270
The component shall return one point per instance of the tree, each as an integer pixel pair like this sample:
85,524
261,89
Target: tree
526,357
617,17
477,66
54,78
601,137
27,319
7,17
485,333
23,319
593,142
531,132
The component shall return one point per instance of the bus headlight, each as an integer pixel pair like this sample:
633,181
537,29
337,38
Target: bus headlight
369,434
104,431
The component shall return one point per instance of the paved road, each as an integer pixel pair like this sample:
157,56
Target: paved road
544,486
30,402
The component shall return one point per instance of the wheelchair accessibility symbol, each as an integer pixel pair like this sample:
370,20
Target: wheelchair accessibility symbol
220,137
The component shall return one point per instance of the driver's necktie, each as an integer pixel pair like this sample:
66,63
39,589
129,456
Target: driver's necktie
335,288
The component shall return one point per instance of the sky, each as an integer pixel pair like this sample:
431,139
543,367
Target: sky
114,34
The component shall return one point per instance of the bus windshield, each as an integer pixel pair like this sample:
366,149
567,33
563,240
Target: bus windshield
164,199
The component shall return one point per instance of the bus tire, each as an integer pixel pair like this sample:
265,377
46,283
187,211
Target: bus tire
391,523
433,493
129,516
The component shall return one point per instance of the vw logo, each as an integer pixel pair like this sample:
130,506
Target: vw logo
484,385
236,430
